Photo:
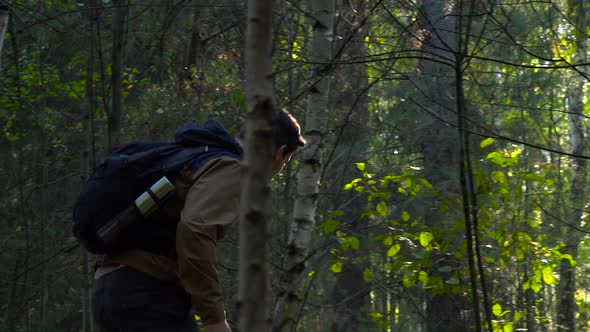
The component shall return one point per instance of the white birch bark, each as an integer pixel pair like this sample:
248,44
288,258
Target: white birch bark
308,178
4,17
256,169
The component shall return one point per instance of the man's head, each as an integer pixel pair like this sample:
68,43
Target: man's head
287,139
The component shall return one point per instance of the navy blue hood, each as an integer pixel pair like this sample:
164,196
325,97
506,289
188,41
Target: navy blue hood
211,134
219,141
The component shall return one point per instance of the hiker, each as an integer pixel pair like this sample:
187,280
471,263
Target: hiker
142,289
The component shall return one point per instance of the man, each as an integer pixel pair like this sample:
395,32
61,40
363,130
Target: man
139,290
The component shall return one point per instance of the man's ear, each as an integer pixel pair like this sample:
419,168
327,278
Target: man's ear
282,151
285,151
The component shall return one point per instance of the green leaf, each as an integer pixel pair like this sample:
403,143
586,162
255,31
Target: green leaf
388,240
518,316
548,275
367,275
508,327
382,209
497,310
352,184
486,142
425,238
354,242
12,138
393,250
376,315
425,183
423,277
496,157
407,281
336,267
330,226
405,216
360,166
569,258
337,213
534,177
498,177
502,161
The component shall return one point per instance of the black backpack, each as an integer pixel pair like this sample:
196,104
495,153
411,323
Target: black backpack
131,170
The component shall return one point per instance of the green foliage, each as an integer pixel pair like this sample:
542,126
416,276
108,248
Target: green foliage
337,267
413,243
425,238
486,142
407,248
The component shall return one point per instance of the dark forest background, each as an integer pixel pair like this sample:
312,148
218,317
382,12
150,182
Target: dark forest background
444,186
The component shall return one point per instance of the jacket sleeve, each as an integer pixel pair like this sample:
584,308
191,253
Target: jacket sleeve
212,204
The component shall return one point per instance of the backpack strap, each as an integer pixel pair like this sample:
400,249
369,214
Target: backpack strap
183,156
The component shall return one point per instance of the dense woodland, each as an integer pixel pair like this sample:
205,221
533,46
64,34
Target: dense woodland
443,186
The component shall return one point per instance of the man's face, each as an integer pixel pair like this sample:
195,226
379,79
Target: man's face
280,159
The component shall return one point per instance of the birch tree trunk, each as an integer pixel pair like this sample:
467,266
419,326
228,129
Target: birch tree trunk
311,164
566,304
4,16
256,168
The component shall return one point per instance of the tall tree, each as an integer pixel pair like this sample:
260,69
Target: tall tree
118,32
197,58
349,289
308,178
253,302
88,161
4,17
576,88
441,157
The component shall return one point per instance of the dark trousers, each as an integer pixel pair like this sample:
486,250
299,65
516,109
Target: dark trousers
127,300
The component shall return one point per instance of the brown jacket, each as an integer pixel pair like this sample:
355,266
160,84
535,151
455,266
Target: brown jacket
211,206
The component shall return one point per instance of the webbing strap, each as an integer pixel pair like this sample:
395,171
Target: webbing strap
184,155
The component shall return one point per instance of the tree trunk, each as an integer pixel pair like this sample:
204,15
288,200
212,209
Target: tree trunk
18,306
197,59
349,289
118,32
255,199
311,165
4,17
43,220
443,311
87,161
566,304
